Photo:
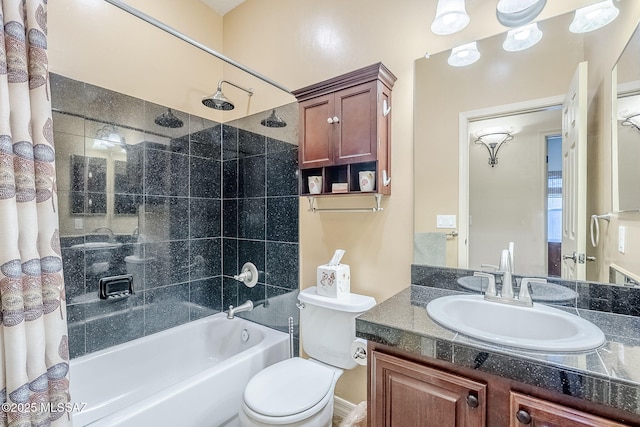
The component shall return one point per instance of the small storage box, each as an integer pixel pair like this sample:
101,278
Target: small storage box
333,280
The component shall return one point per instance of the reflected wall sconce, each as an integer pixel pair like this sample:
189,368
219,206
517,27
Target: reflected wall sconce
492,142
522,38
451,17
516,13
464,55
632,120
108,137
593,17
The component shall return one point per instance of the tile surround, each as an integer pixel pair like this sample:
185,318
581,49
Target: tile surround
205,194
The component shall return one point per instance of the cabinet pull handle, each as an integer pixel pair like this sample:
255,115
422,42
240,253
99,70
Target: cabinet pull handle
472,400
523,417
336,119
330,120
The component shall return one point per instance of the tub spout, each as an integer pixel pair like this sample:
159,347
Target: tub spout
247,306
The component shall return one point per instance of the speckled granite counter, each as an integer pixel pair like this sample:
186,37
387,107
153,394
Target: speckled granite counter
609,375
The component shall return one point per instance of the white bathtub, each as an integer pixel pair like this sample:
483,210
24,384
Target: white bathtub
189,376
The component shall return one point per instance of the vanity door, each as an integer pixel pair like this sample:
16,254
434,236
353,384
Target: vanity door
404,393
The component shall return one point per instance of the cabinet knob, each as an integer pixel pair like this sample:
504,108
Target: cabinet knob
330,120
523,416
336,119
472,400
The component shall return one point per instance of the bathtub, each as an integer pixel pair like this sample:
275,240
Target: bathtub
190,375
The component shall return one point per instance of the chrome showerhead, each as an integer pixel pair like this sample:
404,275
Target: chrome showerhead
218,101
273,121
169,120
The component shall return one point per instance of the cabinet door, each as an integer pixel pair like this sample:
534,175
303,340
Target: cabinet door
356,109
534,412
316,133
406,394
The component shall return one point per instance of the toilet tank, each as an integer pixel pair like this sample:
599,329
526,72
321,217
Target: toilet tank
328,325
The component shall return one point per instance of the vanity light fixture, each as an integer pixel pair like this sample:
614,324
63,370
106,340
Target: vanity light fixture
493,141
516,13
593,17
522,38
464,55
451,17
632,120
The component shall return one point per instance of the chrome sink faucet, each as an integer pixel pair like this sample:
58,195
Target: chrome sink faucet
506,294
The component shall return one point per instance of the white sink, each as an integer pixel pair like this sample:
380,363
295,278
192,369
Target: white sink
538,328
541,292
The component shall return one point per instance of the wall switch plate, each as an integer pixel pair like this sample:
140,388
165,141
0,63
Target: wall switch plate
622,232
445,221
78,223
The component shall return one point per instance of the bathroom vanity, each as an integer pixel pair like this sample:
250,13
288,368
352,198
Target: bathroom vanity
421,373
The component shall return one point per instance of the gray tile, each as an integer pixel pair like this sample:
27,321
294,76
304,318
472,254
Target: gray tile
166,307
204,218
251,219
205,178
252,176
282,173
118,322
252,251
282,265
168,263
230,257
205,258
282,219
207,294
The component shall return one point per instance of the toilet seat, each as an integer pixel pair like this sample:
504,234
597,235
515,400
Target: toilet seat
289,391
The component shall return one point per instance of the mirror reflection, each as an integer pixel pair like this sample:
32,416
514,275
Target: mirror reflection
626,134
519,198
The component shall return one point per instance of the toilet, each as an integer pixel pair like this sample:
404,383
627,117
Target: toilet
299,392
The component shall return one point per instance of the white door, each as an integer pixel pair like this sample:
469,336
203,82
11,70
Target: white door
574,177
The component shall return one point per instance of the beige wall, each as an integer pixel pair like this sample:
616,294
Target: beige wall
295,43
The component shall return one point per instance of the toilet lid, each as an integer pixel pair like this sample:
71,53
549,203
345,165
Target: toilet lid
288,387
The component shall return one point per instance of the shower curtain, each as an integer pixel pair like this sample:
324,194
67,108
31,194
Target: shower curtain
34,351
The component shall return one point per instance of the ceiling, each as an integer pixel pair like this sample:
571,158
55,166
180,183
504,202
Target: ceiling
222,6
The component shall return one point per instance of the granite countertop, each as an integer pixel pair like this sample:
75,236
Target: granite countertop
609,375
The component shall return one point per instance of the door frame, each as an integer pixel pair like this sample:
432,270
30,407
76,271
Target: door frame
463,158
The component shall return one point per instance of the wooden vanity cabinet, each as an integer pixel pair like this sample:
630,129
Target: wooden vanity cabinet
405,390
534,412
409,394
344,128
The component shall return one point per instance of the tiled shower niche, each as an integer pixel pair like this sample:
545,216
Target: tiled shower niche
180,209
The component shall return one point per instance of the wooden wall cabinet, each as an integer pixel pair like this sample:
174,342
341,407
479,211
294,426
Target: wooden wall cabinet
345,129
406,391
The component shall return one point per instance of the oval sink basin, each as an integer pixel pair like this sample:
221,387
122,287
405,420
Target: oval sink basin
538,328
541,292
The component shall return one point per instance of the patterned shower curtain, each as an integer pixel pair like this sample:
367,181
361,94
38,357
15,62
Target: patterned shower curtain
34,351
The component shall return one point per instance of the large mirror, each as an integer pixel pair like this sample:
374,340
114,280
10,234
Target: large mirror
626,132
517,199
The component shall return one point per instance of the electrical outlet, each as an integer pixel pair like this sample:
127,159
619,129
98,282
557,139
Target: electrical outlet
446,221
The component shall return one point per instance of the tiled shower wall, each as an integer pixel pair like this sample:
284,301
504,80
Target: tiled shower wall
200,206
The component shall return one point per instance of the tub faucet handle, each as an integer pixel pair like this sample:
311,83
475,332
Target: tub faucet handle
249,275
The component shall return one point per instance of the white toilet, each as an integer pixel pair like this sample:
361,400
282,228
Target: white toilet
299,392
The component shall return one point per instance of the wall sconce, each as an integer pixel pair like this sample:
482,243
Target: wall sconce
522,38
108,137
451,17
463,55
632,120
591,18
493,141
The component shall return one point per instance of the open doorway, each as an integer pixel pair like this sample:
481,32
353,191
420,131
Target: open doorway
554,205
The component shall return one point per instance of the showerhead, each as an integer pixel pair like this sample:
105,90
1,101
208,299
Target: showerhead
169,120
273,121
218,101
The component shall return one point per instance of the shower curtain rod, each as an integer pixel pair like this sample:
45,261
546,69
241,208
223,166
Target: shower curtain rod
151,20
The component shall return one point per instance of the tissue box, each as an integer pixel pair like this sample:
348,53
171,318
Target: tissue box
333,280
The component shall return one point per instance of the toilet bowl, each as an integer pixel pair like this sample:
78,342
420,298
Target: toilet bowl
294,392
299,392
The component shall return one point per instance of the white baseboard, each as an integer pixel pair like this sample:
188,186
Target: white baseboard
342,407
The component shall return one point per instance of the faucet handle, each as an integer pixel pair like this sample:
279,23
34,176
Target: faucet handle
523,294
491,287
